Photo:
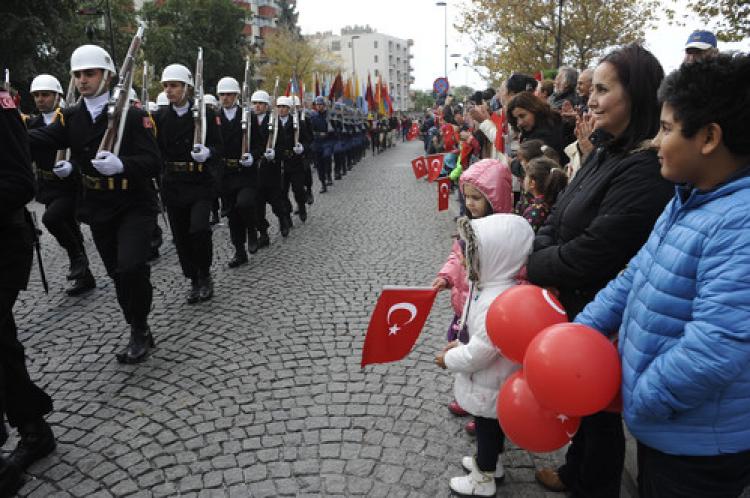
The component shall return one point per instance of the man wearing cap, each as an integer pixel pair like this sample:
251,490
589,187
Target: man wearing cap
322,142
59,195
239,185
119,200
289,152
700,45
190,181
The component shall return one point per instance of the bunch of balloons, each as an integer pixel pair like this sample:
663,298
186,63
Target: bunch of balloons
569,370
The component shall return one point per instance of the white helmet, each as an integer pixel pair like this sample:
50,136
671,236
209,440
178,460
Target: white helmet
261,96
91,57
228,85
296,100
46,83
162,99
209,99
282,100
153,107
177,72
132,96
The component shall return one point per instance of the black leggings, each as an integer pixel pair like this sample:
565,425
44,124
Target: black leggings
490,443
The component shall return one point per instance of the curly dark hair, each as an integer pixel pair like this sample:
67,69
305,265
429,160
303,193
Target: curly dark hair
543,113
712,90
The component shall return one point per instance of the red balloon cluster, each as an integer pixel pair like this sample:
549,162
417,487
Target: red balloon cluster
569,369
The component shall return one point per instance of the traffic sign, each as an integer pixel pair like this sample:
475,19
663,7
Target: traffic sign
441,86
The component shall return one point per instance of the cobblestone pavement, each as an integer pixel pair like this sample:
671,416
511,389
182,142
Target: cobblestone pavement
259,391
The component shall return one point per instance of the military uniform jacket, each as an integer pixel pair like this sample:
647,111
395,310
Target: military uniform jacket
49,186
285,143
185,181
258,137
236,176
106,197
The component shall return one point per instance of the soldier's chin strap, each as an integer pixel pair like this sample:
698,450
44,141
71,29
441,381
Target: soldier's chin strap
103,85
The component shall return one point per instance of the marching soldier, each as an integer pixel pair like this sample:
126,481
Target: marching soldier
21,400
308,156
322,143
339,147
289,152
118,202
59,195
269,170
239,186
190,181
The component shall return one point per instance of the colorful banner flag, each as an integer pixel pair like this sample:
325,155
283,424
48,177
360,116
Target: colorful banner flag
434,166
444,193
396,322
419,165
369,95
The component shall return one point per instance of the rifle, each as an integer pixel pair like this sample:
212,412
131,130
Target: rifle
273,125
295,116
246,109
31,217
144,86
199,109
6,81
119,103
64,154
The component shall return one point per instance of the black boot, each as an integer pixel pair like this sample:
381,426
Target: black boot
309,199
79,265
82,285
205,287
37,441
239,259
303,213
141,342
329,182
194,293
336,176
263,240
285,224
10,478
323,189
252,241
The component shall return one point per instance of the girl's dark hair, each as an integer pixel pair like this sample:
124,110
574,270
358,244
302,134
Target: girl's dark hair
530,149
543,114
640,74
711,91
488,204
550,179
548,87
518,83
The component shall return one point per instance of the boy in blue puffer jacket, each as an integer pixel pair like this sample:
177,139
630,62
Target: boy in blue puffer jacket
682,306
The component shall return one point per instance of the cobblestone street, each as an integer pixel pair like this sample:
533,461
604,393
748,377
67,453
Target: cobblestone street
259,391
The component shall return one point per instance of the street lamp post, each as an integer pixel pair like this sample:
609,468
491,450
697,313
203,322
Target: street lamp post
354,66
445,37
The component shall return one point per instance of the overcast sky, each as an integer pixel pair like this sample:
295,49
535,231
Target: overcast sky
423,21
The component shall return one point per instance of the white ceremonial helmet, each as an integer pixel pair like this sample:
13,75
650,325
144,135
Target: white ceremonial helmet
46,83
132,96
283,100
209,99
177,72
91,57
153,107
261,96
162,99
228,85
295,100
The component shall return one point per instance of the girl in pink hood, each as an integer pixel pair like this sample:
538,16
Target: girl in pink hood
487,189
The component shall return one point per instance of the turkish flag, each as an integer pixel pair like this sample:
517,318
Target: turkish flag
396,322
413,132
434,166
444,192
419,165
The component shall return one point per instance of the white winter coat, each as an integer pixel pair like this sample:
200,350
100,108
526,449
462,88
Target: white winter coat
504,244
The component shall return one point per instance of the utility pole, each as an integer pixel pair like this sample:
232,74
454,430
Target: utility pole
558,50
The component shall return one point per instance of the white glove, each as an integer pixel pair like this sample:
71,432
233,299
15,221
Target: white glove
269,154
298,149
62,169
246,160
107,163
200,153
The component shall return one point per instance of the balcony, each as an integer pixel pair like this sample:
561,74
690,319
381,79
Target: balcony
267,11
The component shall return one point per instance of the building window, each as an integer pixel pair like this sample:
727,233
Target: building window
376,58
375,44
336,46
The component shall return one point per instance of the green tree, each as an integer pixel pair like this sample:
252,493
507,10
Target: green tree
521,36
729,18
287,18
422,100
460,93
176,28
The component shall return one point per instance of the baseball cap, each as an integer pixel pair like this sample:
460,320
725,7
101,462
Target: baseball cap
702,40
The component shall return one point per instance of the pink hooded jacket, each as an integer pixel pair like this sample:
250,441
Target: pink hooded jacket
494,180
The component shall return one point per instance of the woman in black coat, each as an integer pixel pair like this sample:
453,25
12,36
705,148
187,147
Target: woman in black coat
597,225
535,119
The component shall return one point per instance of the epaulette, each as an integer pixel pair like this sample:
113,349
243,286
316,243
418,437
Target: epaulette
59,114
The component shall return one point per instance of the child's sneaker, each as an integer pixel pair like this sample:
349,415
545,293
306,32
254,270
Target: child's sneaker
468,462
456,409
477,483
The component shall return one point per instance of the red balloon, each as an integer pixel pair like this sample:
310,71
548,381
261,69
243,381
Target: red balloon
527,423
517,315
572,369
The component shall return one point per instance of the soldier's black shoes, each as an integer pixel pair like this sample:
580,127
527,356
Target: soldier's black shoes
141,342
205,288
330,182
263,240
323,189
37,441
194,293
303,214
252,241
239,259
81,285
285,224
79,266
309,199
337,176
10,478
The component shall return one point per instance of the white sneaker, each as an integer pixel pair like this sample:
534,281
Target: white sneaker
468,462
477,483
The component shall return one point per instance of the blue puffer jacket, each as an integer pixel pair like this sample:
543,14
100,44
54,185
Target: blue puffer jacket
682,307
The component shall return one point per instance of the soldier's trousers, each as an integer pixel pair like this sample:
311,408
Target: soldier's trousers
339,162
20,398
294,177
192,237
308,173
270,193
241,204
124,244
323,165
60,220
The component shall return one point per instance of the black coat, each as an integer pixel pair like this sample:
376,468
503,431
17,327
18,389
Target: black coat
138,153
16,189
50,187
285,143
235,176
598,223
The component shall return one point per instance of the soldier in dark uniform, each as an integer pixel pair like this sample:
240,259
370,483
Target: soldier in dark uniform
339,147
239,189
322,146
119,201
192,173
59,195
289,151
269,170
24,403
308,157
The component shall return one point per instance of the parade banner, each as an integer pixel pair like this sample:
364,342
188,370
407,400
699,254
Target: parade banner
419,165
444,192
434,166
396,323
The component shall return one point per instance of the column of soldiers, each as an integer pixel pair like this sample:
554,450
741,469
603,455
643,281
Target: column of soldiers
120,195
